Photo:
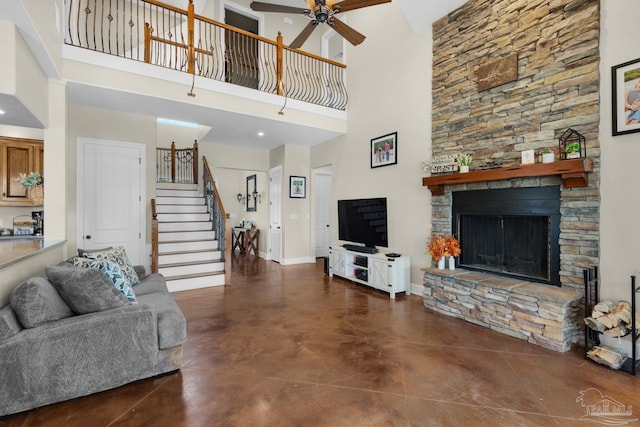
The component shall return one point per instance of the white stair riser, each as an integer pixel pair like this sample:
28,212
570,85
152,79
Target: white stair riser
184,217
187,246
184,226
186,235
179,201
189,257
180,208
169,272
163,192
195,283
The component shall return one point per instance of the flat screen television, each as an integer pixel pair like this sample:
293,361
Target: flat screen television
363,221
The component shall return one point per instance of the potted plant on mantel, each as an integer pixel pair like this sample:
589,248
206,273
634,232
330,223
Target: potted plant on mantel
464,160
572,150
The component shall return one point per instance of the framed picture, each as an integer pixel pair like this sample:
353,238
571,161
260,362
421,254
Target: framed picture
384,150
625,80
528,157
297,187
251,188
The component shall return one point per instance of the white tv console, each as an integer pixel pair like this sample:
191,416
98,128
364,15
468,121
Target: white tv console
378,271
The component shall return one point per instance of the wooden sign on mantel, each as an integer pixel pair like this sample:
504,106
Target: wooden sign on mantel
498,72
441,164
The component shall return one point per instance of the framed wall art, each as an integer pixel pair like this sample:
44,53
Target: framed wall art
384,150
625,89
297,187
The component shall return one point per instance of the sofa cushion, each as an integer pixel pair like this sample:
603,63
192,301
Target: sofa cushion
85,290
35,301
112,271
172,326
118,256
9,323
151,283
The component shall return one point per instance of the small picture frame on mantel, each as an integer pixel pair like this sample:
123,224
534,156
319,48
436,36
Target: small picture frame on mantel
528,157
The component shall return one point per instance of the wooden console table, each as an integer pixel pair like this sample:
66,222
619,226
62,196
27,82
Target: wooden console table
245,239
573,172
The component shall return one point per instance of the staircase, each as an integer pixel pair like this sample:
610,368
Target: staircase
188,254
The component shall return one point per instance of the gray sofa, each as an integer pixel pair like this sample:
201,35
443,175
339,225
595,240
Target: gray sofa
68,335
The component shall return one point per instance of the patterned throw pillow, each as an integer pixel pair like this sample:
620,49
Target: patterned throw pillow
112,271
116,255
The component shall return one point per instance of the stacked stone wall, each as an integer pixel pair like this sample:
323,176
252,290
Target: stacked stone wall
542,315
557,43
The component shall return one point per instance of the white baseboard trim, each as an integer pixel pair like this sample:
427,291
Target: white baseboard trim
301,260
416,289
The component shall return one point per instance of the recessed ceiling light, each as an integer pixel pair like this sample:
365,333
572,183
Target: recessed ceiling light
1,112
260,133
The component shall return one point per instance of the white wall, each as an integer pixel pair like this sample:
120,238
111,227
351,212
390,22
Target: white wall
389,81
619,229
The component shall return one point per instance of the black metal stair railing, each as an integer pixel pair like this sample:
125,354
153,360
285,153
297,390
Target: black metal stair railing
178,166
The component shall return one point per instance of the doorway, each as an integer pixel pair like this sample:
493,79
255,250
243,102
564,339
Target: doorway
275,214
241,51
111,195
322,210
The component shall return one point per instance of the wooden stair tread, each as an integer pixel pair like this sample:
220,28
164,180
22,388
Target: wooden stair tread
192,276
194,251
187,241
186,264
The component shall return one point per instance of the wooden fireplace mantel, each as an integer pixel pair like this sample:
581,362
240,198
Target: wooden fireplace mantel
573,172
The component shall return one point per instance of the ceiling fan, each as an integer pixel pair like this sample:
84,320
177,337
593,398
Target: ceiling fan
321,12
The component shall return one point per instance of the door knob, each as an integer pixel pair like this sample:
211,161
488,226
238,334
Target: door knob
88,236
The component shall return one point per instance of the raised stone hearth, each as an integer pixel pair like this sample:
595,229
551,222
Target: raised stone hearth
544,315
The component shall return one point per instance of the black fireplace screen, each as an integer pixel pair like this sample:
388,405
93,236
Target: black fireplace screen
507,244
512,232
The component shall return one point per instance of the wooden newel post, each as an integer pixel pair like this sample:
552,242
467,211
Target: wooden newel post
279,66
147,43
195,161
173,161
191,55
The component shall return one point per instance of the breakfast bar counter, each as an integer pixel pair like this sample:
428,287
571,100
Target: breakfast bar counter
17,248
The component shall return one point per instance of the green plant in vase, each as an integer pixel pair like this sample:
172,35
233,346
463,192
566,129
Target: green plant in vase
464,160
572,150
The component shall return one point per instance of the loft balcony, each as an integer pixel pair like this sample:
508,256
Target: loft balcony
162,35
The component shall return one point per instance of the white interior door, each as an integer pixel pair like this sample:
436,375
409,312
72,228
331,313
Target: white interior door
275,213
323,206
110,196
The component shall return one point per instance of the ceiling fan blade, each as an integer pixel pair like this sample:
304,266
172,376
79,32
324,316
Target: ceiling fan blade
351,35
268,7
304,35
347,5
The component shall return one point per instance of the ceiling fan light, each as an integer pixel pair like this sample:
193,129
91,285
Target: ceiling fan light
322,15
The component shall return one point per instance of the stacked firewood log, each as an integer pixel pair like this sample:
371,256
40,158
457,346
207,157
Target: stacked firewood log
614,320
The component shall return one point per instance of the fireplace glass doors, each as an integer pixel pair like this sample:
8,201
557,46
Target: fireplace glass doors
512,232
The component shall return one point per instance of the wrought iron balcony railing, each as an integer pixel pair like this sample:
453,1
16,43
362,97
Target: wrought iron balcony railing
163,35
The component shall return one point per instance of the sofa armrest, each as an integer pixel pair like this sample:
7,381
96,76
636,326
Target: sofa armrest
140,271
77,356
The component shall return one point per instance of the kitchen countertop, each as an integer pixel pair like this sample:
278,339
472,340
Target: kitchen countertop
18,248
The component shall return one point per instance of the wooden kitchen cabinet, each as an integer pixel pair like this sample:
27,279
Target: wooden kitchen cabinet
18,156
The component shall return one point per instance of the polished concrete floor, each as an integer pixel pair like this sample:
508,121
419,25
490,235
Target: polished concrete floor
287,346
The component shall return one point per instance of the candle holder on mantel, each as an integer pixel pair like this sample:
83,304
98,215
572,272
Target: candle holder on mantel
571,145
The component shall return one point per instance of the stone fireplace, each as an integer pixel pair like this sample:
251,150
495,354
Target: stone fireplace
556,87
